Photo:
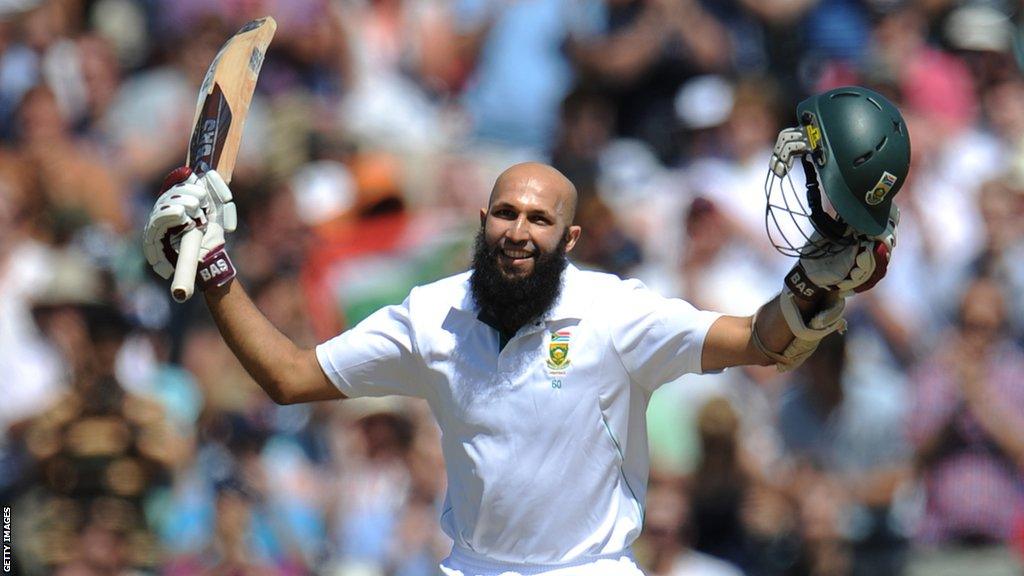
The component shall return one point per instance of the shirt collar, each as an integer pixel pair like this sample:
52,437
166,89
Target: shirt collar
570,301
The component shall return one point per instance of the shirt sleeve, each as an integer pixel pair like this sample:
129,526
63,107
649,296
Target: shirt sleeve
658,339
376,357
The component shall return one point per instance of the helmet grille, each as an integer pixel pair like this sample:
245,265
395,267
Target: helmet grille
796,221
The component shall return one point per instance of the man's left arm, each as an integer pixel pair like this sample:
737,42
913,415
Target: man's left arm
787,329
730,340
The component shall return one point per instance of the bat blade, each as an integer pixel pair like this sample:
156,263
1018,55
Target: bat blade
221,109
224,99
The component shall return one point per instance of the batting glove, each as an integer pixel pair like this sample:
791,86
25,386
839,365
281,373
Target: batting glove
188,202
791,143
852,269
856,268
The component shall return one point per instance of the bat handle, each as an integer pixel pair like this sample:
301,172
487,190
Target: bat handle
188,260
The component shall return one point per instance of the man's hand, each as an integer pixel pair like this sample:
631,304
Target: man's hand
188,202
814,298
853,269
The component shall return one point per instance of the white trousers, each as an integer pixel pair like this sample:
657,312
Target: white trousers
620,564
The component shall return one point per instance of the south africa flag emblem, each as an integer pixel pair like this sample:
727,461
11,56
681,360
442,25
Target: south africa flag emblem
558,350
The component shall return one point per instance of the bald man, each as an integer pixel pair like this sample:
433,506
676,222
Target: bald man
539,373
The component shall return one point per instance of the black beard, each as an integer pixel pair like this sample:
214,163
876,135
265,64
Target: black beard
514,302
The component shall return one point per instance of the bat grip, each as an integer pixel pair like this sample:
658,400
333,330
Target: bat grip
188,260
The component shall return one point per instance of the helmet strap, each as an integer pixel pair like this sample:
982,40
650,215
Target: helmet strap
825,224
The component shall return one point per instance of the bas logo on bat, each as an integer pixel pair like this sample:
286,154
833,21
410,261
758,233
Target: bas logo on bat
210,131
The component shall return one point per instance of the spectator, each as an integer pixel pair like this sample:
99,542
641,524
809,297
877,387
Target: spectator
100,453
517,48
1001,204
233,548
718,269
78,188
732,174
101,76
609,248
842,429
667,535
375,483
587,126
649,48
967,429
404,65
719,486
26,262
983,36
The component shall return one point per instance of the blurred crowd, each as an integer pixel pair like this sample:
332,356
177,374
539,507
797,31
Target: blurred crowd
132,442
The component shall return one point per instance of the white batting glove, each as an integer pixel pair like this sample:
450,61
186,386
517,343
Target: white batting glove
853,269
187,203
791,143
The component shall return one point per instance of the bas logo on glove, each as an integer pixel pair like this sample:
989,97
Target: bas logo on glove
798,283
213,270
216,270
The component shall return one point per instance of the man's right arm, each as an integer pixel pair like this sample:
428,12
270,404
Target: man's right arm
288,374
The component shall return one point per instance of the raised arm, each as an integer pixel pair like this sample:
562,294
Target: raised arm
287,373
787,329
730,341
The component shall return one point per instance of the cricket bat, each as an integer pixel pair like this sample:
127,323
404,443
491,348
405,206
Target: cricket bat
223,104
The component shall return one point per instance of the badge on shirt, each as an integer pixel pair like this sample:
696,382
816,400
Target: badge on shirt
558,356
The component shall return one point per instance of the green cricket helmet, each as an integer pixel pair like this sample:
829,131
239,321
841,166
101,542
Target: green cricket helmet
856,159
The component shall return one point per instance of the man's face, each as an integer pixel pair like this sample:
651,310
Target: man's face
521,248
526,219
982,314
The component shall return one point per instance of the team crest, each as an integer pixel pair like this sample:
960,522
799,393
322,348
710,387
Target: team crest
881,190
558,350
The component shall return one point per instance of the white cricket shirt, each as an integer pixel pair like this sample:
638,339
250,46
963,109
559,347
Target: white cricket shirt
544,440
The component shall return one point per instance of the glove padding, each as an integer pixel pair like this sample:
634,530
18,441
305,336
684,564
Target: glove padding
853,269
807,334
791,143
189,202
